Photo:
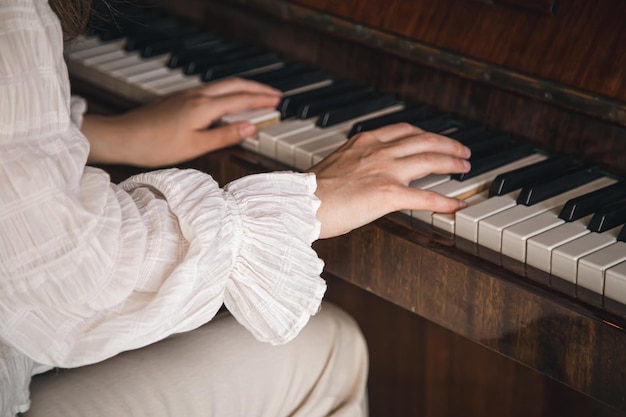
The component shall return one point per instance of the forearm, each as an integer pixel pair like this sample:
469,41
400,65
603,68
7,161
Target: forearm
107,137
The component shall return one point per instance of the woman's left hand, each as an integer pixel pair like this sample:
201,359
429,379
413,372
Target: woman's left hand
175,129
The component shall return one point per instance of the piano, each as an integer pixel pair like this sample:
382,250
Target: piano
510,307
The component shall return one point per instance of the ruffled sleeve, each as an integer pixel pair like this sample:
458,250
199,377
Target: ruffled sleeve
89,269
275,284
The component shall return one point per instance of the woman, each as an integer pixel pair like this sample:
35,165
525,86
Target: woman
110,280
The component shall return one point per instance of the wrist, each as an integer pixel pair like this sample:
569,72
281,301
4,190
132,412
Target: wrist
106,136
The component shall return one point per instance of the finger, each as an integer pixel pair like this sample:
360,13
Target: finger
203,115
420,165
237,85
221,137
236,103
416,199
429,143
391,132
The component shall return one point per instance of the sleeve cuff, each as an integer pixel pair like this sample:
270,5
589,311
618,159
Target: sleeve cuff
275,284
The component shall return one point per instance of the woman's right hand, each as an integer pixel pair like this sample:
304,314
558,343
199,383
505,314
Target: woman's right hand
369,176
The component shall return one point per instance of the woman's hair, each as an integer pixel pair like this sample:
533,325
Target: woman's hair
73,14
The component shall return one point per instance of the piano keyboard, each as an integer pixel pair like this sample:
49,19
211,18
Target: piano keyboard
552,214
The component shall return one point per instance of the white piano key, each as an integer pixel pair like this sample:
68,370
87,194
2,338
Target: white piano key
259,117
270,136
80,43
467,219
150,75
342,129
142,78
490,229
321,154
124,62
286,148
164,78
615,283
108,81
96,50
251,144
184,84
467,188
110,56
539,248
130,60
591,268
126,73
447,221
565,257
514,238
304,154
429,181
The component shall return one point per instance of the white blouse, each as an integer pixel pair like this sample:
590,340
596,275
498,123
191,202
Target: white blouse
89,269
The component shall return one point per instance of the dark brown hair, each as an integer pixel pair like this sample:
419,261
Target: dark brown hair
73,14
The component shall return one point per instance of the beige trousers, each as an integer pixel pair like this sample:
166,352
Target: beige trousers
219,370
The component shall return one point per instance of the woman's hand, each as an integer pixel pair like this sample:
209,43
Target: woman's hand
175,128
368,177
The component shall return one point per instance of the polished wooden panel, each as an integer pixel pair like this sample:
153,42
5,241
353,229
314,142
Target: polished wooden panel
583,45
421,369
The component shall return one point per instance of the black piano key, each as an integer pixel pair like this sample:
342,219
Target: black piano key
240,67
533,194
436,124
316,107
587,204
609,217
518,178
149,38
363,107
401,116
286,71
184,55
622,234
300,80
169,45
127,28
465,134
141,39
486,162
207,60
487,143
288,106
106,23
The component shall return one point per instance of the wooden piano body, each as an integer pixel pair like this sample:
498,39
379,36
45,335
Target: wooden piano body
451,333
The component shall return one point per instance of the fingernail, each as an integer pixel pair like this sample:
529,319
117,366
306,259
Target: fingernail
468,152
467,165
246,129
462,204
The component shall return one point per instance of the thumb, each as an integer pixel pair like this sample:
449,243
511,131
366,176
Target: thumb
224,136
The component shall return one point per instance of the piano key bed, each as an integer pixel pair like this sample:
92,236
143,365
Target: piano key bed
550,218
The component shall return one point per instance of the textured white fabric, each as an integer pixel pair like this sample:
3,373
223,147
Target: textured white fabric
219,370
89,269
